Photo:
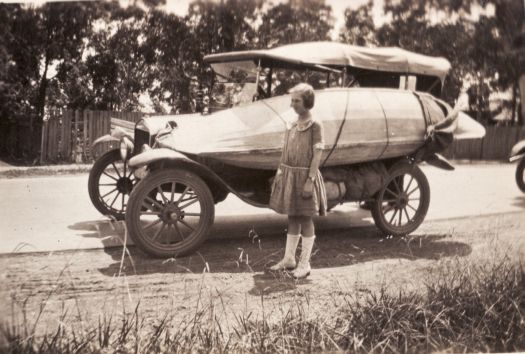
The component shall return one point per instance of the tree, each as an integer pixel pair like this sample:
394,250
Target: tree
175,53
359,28
295,21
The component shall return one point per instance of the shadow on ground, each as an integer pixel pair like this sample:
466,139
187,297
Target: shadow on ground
334,248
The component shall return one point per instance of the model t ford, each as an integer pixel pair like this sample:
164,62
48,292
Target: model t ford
381,116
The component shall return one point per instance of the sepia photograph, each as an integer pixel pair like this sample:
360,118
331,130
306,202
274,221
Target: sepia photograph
262,176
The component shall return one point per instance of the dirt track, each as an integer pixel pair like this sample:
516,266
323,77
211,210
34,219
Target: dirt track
227,278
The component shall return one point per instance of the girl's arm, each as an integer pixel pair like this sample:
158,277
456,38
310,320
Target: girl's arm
316,161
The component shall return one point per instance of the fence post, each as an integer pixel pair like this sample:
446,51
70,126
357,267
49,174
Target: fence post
43,142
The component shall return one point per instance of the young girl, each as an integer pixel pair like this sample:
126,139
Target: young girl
298,189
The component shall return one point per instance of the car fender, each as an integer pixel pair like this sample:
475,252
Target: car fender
518,151
150,156
439,161
116,135
104,139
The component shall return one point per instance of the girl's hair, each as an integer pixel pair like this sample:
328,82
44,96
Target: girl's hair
307,94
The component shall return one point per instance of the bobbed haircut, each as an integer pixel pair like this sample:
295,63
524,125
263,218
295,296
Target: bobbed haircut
307,94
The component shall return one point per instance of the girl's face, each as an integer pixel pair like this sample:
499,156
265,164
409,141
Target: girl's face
297,103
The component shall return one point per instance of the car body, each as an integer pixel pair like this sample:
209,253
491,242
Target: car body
517,153
376,133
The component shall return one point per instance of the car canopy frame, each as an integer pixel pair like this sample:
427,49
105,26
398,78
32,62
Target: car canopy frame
333,54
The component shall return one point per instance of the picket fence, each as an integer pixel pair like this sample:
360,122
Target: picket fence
67,136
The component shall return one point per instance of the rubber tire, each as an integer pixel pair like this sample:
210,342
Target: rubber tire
144,188
94,179
520,177
377,214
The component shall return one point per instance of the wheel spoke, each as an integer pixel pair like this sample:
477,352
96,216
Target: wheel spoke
176,227
110,176
152,224
394,194
192,214
189,203
399,189
187,225
116,170
406,213
173,187
159,231
124,173
114,200
107,184
122,201
412,191
183,194
400,217
411,207
393,216
409,183
108,193
159,190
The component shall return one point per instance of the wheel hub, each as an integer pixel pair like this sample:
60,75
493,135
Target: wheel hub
402,200
171,214
124,185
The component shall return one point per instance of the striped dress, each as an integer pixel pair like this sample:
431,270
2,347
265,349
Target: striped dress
287,187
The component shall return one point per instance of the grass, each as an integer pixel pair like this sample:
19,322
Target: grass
464,308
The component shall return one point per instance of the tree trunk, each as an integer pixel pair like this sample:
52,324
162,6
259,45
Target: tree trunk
40,108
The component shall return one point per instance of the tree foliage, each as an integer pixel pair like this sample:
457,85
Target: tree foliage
295,21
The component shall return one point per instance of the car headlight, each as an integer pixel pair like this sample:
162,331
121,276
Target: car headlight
126,146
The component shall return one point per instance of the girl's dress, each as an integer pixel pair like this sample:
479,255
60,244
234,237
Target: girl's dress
287,188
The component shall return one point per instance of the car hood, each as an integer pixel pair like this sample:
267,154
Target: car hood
242,129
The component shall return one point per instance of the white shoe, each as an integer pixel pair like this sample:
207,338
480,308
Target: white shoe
288,261
303,268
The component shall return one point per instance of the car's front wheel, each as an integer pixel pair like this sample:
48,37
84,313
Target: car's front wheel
110,183
170,213
402,204
520,175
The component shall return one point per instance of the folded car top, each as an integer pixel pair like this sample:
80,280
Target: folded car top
333,54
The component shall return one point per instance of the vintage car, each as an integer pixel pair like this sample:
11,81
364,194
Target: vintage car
518,154
379,125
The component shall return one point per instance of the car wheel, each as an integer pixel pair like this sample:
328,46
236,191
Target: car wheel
520,175
170,213
110,184
401,206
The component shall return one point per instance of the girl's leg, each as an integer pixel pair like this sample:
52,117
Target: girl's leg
307,226
294,225
292,240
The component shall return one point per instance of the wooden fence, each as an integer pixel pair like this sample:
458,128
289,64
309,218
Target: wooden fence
67,136
495,145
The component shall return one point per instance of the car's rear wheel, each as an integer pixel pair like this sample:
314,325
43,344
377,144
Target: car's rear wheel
110,184
401,206
170,213
520,175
